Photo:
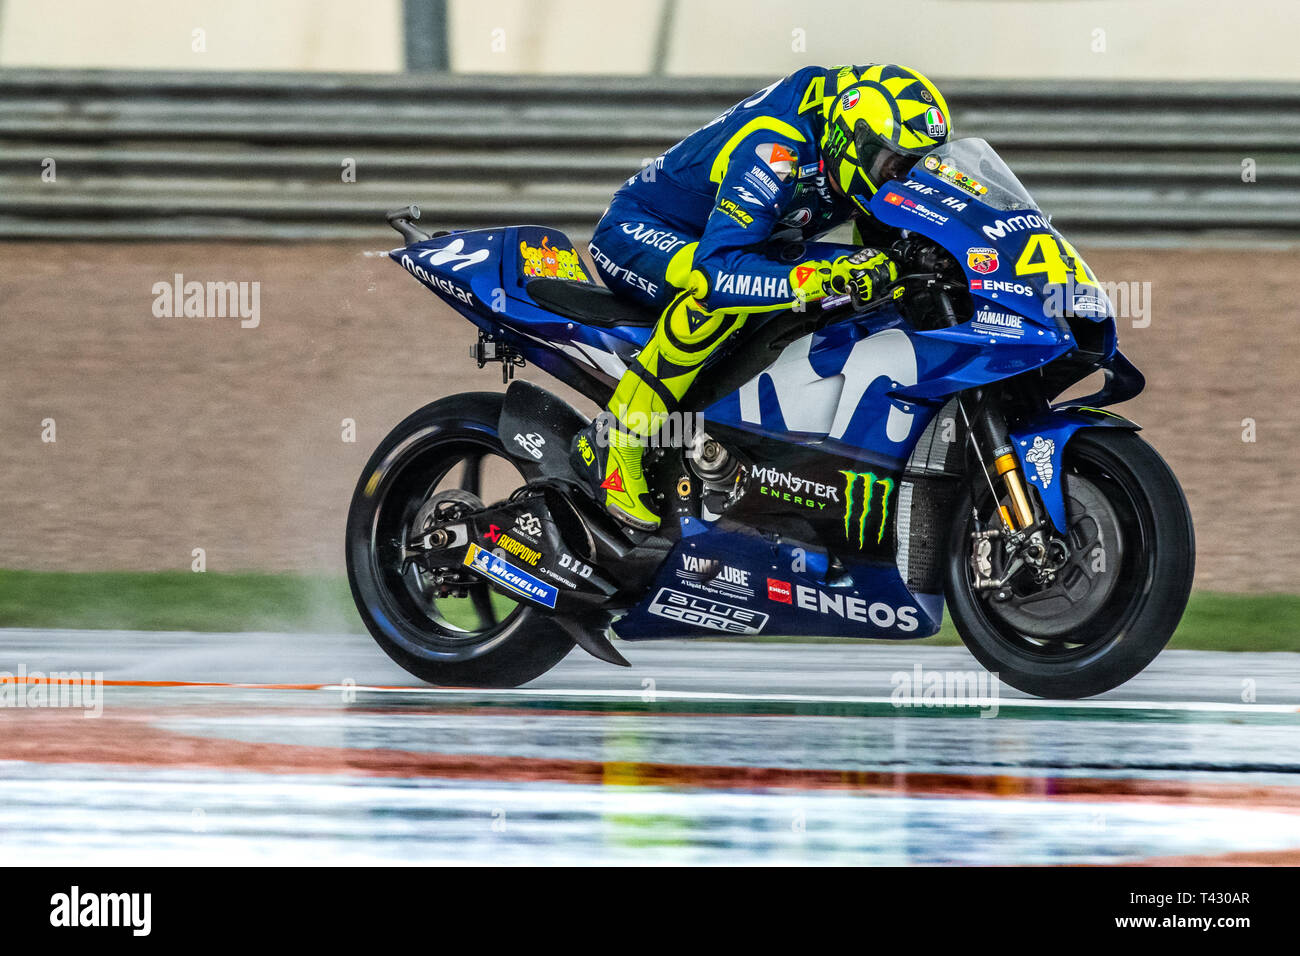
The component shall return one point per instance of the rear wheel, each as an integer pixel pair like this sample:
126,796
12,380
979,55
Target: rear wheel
444,460
1125,573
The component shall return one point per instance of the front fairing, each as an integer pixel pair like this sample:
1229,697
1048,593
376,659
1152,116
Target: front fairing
866,386
1027,282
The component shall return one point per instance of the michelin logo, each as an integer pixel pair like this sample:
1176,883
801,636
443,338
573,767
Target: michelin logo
1040,456
510,576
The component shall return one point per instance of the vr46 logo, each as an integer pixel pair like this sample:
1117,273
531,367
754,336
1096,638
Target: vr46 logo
859,495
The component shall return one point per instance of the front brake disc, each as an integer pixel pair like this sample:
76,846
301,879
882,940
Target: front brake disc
1084,584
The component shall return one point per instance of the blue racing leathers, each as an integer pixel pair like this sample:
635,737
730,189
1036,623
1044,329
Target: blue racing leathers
715,234
727,212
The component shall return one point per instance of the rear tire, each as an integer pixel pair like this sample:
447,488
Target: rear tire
408,468
1143,591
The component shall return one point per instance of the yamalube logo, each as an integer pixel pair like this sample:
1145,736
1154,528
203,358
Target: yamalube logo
995,322
711,574
75,908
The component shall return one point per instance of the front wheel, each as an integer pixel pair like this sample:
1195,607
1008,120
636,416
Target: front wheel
1125,574
445,459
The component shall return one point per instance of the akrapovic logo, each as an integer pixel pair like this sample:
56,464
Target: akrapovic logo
519,549
865,510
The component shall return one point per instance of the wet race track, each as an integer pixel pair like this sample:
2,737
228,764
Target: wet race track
246,748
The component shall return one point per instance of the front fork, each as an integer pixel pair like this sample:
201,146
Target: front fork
1021,534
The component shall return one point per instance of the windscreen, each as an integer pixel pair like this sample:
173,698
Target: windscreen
973,167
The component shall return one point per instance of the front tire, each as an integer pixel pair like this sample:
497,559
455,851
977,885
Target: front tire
1106,625
437,455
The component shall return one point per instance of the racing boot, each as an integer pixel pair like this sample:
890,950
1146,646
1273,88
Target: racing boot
652,388
610,458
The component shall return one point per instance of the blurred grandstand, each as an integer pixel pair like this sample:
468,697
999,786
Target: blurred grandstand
261,156
189,119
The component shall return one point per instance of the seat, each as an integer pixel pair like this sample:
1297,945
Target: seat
588,303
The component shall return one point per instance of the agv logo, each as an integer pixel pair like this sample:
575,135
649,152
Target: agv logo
866,509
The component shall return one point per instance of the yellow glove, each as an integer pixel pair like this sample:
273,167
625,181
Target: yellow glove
864,275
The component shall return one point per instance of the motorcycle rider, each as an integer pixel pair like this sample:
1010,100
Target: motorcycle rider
722,227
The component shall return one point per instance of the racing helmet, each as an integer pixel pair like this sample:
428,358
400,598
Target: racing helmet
878,121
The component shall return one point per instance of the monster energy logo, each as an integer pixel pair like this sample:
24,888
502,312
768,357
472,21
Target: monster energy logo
837,138
868,485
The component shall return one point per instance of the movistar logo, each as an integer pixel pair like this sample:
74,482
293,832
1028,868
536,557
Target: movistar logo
867,485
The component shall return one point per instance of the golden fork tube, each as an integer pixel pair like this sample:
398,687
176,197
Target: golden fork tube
1009,472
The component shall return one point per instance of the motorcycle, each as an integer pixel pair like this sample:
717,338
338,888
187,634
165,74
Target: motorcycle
853,467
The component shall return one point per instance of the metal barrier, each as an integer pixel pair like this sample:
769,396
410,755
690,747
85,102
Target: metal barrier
259,156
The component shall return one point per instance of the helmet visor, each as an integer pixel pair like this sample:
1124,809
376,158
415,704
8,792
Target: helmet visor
880,159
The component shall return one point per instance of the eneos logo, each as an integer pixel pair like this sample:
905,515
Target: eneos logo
779,591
